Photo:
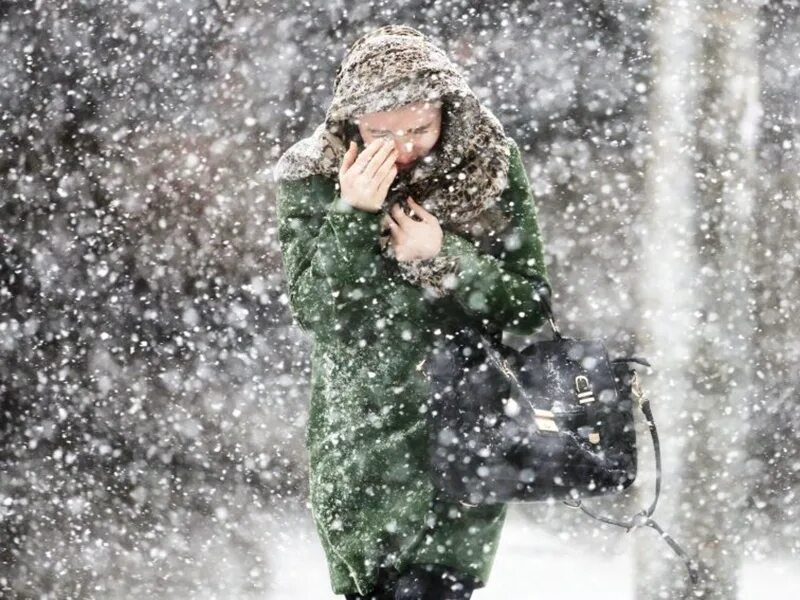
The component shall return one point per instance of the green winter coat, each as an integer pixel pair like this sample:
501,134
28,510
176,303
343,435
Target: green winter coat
371,498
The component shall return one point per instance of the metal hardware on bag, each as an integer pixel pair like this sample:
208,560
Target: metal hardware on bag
544,298
543,423
554,327
545,420
636,389
583,389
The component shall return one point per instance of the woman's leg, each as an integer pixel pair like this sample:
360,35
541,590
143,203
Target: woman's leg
376,594
455,585
384,587
415,584
434,582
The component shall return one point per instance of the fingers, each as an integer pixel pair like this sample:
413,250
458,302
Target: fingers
386,180
367,154
387,167
385,153
400,215
396,231
419,210
349,158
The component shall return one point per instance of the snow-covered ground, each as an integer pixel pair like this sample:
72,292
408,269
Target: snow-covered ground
530,563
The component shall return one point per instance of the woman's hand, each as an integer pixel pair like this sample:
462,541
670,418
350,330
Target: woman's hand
366,179
412,239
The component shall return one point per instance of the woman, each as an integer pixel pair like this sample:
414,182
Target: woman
406,214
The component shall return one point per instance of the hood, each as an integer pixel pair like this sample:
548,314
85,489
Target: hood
383,70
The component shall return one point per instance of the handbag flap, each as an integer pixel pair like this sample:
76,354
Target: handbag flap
568,373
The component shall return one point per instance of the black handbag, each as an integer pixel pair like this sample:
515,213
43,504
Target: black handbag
554,420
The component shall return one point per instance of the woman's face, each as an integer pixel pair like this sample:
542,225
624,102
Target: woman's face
414,128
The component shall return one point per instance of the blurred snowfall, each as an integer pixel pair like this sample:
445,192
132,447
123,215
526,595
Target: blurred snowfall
153,388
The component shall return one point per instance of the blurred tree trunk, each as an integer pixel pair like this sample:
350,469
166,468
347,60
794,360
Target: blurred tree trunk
773,441
715,483
668,271
714,418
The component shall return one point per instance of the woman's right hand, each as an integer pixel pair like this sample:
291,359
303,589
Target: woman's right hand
365,178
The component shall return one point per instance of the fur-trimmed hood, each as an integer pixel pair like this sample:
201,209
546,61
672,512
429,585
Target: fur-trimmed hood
459,181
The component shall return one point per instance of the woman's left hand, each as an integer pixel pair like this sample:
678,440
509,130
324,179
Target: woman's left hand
412,239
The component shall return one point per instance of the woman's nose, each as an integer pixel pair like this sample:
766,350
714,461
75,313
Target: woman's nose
404,150
403,145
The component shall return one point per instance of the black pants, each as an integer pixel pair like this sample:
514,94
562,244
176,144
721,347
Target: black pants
420,582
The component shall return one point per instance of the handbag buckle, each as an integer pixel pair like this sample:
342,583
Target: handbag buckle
584,390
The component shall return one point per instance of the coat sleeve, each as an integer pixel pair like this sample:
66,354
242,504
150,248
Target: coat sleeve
337,282
505,290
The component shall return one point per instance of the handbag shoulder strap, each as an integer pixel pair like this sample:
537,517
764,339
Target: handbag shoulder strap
644,517
543,294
